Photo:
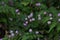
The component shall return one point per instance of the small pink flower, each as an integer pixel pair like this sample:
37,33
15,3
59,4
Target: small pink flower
31,14
26,18
59,20
24,24
12,34
16,31
58,14
18,13
39,18
30,30
30,20
9,36
37,32
33,19
51,18
50,15
11,31
45,12
1,39
38,4
49,22
17,10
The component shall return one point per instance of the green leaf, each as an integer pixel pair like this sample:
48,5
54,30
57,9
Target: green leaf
52,26
44,7
53,11
25,3
45,19
58,27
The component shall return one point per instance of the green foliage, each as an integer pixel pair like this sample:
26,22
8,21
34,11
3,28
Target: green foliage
51,31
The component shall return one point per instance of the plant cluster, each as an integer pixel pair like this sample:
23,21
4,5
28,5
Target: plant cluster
29,19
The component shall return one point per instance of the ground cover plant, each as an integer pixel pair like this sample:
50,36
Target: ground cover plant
29,19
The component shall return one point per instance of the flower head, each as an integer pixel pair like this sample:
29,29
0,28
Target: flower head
58,14
17,10
38,4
